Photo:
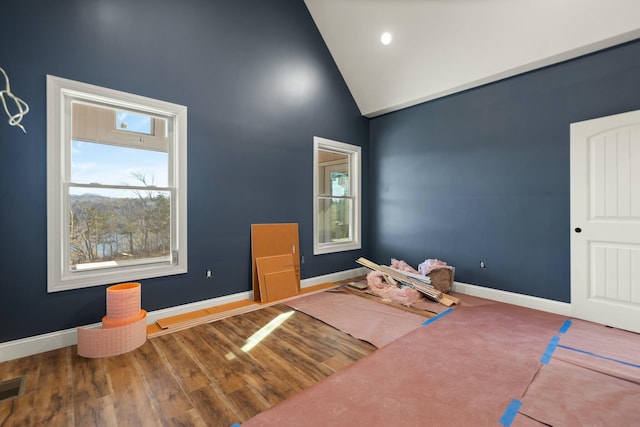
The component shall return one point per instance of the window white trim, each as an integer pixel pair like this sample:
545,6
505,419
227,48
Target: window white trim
59,93
354,154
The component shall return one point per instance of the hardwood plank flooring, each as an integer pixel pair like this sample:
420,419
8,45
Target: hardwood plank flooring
195,377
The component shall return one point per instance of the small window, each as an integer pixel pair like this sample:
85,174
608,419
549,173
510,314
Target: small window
133,122
336,221
116,186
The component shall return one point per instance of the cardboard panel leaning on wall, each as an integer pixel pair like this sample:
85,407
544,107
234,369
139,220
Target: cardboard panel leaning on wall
268,240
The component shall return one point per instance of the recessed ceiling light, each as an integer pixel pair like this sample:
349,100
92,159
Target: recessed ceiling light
385,38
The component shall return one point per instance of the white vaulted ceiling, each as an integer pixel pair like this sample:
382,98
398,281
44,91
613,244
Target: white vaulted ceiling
440,47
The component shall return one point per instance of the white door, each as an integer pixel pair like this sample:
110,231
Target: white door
605,220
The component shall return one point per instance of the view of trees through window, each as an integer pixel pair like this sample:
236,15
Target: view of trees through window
119,197
119,227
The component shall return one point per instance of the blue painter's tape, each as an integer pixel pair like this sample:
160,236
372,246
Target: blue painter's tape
633,365
546,357
236,425
565,327
433,319
510,413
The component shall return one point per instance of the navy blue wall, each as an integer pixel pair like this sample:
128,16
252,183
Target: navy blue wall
484,174
259,83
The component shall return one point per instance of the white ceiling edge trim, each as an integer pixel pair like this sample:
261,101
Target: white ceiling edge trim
551,60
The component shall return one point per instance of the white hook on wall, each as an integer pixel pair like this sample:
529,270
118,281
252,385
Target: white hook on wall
23,108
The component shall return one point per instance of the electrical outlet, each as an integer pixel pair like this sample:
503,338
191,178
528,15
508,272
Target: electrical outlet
302,259
482,264
209,273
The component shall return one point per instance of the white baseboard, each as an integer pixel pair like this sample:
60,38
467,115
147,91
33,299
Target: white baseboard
154,316
40,343
536,303
334,277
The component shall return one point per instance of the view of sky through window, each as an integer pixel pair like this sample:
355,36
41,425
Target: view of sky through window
104,164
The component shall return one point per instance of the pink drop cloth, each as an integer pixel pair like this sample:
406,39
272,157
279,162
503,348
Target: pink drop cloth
364,319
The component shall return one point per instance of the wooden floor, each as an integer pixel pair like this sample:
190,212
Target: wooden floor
196,377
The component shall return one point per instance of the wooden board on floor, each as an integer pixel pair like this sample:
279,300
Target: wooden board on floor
212,314
273,239
167,322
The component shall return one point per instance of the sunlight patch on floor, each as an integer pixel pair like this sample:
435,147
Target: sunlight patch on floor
264,332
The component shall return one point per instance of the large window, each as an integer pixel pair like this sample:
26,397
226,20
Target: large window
336,182
116,186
